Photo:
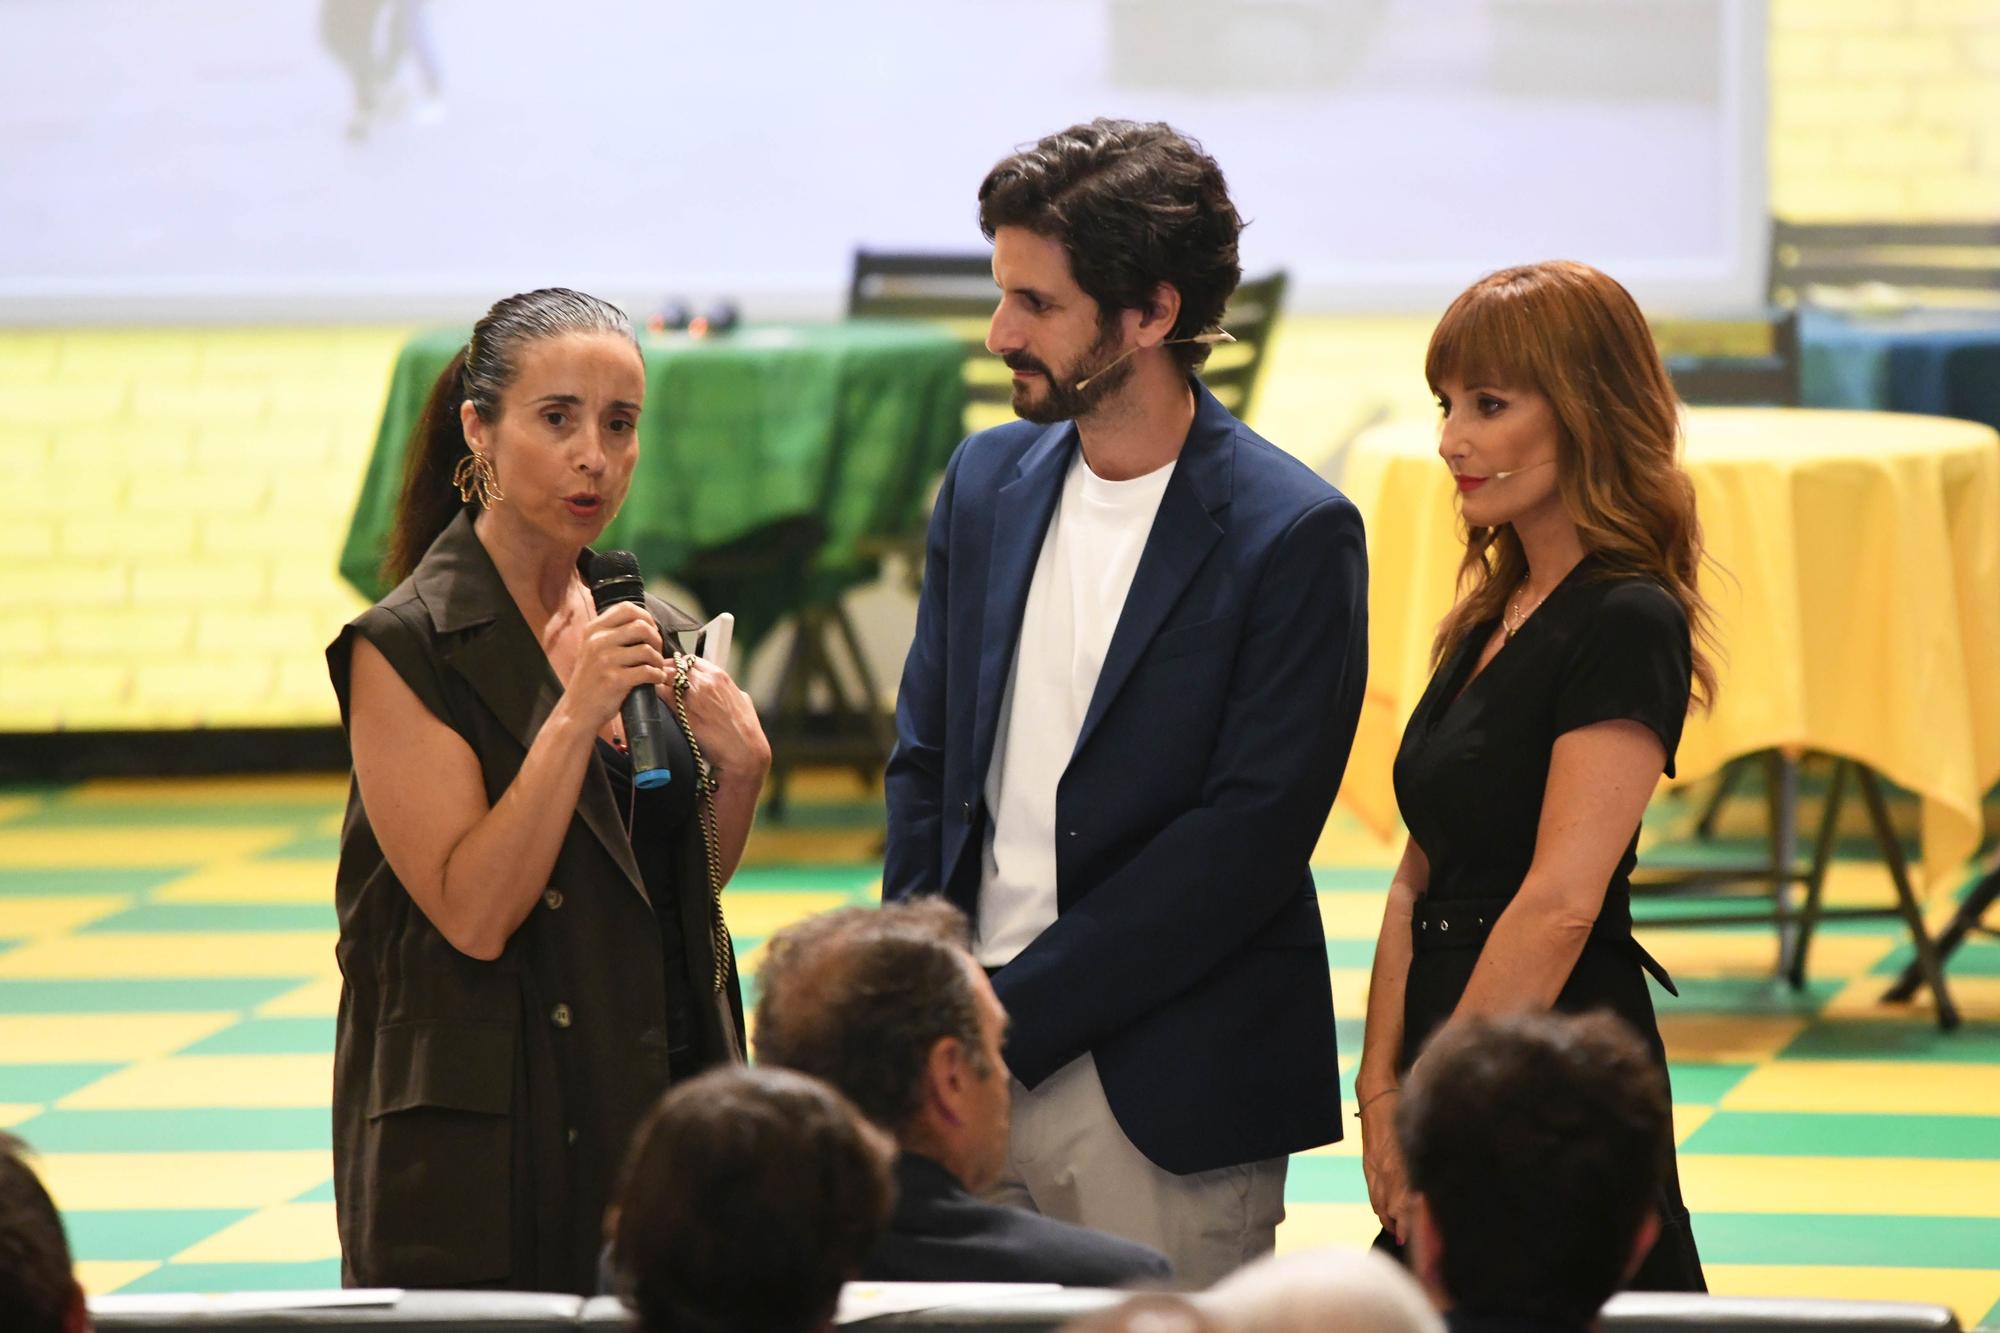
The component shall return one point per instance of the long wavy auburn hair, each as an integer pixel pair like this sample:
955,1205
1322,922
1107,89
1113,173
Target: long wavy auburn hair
1576,336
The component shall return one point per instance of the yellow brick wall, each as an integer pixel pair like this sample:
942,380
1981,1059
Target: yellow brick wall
1885,110
173,503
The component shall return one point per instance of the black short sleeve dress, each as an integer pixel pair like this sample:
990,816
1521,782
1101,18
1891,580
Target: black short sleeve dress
1470,778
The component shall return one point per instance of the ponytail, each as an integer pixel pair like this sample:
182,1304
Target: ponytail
430,500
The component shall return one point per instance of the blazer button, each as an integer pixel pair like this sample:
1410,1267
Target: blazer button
571,1135
560,1015
553,898
965,810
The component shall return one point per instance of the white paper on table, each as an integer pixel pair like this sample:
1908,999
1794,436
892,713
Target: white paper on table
872,1300
239,1302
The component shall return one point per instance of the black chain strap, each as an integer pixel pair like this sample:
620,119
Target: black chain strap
711,841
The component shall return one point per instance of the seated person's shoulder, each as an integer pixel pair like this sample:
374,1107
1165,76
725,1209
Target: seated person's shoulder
1090,1258
941,1233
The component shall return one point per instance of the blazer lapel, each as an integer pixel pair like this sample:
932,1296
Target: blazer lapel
1184,531
1021,512
501,659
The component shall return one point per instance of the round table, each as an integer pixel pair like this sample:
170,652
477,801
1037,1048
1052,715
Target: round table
1942,362
1856,586
841,424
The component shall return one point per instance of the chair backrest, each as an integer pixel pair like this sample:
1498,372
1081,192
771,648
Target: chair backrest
1681,1312
393,1312
1733,363
1934,261
1233,368
953,290
979,1311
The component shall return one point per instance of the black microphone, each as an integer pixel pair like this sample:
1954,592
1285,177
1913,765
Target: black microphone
614,578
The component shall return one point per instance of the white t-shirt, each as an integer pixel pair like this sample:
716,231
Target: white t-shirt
1092,549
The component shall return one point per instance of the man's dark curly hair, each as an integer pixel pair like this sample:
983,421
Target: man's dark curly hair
748,1197
859,996
1133,205
1539,1142
37,1282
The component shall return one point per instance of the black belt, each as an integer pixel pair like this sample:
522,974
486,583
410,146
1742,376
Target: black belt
1464,923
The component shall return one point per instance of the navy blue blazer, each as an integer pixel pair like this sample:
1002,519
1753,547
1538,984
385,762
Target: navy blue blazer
1187,954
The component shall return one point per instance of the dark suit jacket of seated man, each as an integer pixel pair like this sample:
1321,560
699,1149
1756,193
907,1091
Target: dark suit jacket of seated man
1187,955
941,1233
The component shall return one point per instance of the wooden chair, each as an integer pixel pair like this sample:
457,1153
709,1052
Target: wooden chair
1940,263
955,290
1733,363
1233,368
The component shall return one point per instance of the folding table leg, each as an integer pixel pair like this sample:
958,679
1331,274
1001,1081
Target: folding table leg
1927,965
1963,922
871,694
1725,787
788,725
1793,959
1781,795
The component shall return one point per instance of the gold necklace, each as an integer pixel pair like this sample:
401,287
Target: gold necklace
1512,616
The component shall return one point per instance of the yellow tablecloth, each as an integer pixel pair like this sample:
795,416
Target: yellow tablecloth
1857,599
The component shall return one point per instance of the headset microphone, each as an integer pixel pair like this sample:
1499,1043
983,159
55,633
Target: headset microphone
1210,339
1502,476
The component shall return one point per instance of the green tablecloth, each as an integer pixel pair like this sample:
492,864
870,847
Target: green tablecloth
846,424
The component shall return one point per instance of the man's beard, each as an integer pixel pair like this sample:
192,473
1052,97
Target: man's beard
1061,399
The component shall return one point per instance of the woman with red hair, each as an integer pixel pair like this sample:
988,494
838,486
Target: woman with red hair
1562,678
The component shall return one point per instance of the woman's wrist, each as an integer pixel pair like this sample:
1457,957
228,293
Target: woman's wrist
565,728
1373,1097
749,773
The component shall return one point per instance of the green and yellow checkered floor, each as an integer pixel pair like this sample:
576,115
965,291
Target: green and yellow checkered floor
167,992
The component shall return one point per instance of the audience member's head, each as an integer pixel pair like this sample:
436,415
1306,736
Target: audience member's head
888,1006
749,1196
1306,1291
1151,1312
38,1287
1535,1146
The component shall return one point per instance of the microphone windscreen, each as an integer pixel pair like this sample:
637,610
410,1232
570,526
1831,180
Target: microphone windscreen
614,577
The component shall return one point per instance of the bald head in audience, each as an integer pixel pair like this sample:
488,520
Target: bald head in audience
1305,1291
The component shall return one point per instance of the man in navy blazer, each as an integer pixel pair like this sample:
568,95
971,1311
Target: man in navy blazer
1138,663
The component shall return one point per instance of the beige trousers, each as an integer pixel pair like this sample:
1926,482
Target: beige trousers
1068,1159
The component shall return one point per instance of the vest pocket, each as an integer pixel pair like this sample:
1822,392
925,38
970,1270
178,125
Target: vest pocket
440,1148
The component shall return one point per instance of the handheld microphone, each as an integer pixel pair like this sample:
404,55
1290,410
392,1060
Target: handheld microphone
614,578
1525,467
1218,336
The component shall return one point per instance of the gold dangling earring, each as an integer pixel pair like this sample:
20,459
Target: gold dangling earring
476,480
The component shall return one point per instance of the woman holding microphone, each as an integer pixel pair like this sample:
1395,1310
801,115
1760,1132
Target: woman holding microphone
531,946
